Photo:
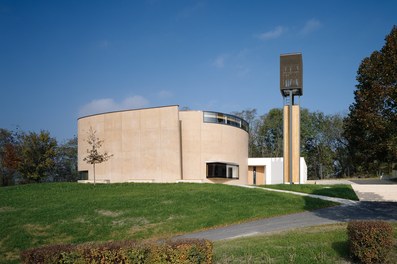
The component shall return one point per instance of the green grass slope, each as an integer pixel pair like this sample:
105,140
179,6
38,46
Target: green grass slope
319,244
42,214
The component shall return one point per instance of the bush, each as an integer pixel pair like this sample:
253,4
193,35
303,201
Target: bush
171,251
370,241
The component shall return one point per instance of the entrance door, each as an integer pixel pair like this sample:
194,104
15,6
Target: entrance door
256,175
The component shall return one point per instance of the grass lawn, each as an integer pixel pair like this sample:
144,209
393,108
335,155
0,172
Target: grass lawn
338,190
320,244
53,213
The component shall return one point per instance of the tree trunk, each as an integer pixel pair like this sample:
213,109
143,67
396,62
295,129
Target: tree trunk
94,171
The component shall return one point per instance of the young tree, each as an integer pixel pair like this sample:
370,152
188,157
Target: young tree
371,124
94,156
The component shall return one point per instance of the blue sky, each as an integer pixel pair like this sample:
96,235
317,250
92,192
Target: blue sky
63,59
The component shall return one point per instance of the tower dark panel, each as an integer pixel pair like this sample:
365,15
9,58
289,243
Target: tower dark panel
291,74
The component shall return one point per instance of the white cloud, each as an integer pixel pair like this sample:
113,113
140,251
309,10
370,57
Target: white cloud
108,105
310,26
219,61
134,102
273,34
234,61
163,94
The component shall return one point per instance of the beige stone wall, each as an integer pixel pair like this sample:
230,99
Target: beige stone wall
145,144
295,144
162,145
203,142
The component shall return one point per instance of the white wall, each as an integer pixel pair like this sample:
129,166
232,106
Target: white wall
274,169
303,171
277,170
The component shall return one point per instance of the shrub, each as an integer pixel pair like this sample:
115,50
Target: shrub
46,255
171,251
370,241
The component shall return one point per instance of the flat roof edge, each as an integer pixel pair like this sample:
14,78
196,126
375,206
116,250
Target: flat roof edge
126,110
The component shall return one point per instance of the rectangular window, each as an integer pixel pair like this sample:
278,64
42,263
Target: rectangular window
233,121
219,118
210,117
83,175
222,170
216,170
232,171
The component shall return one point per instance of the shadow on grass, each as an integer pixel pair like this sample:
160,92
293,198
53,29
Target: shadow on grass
341,192
374,181
342,249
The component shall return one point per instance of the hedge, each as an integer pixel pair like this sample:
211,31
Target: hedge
370,241
170,251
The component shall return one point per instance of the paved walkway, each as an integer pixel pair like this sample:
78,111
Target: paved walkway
368,189
333,199
376,203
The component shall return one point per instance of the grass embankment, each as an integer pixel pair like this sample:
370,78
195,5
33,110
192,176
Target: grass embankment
320,244
42,214
338,190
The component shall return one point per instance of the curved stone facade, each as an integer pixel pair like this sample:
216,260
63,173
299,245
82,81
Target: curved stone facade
164,144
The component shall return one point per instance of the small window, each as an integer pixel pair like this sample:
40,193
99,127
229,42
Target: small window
222,170
210,117
83,175
216,170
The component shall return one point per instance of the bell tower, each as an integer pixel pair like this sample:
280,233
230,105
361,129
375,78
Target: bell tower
291,86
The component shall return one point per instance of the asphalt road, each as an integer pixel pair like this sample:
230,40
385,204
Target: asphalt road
363,210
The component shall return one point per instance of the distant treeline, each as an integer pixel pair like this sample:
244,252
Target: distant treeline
323,144
27,157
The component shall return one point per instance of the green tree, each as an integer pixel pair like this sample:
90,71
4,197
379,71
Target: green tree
339,145
322,143
270,136
9,158
250,115
37,154
94,156
316,144
66,161
371,124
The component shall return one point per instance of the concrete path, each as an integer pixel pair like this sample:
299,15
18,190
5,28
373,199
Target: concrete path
332,199
360,211
368,189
